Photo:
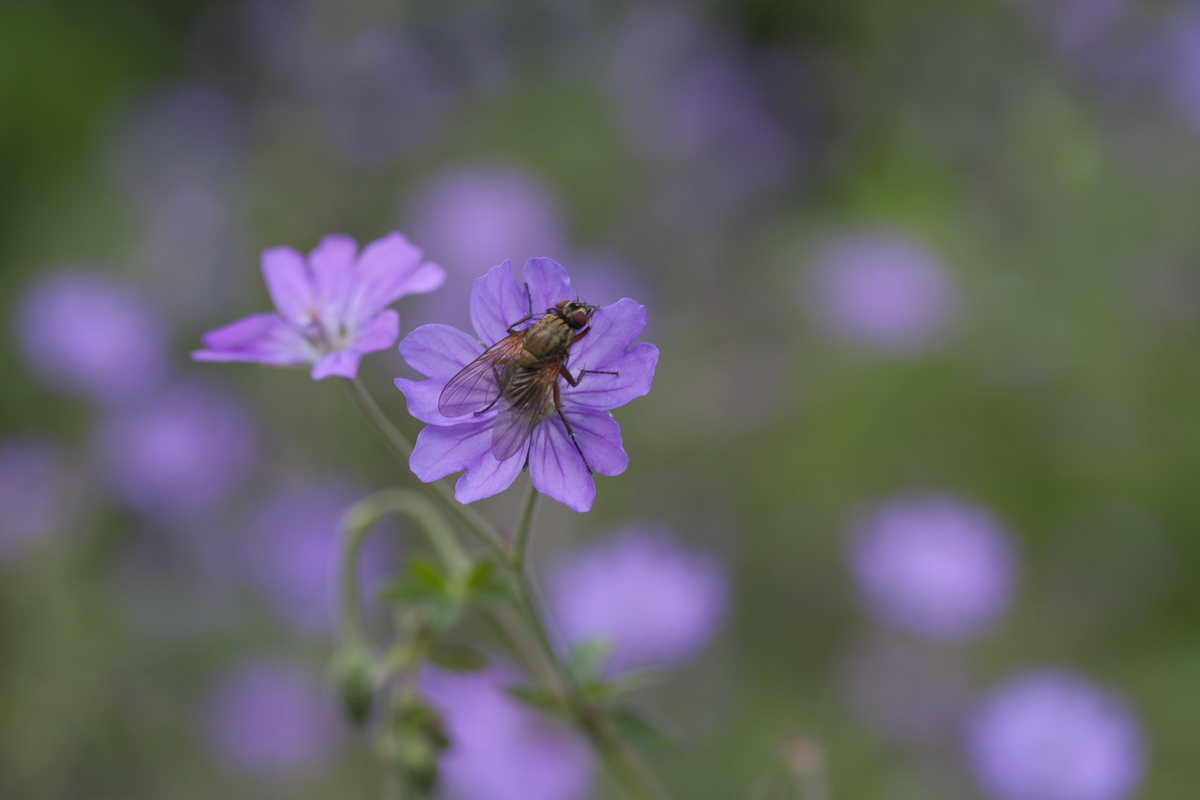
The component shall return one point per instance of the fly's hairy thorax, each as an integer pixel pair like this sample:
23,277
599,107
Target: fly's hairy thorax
548,341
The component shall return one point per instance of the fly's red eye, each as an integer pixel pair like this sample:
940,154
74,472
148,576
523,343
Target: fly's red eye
561,304
579,319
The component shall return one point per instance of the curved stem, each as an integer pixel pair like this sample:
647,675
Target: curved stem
402,449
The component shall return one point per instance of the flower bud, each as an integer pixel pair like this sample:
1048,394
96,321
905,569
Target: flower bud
356,685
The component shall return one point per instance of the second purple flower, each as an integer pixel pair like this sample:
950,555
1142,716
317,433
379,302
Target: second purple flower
556,459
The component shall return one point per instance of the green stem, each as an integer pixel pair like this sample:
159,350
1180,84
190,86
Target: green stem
441,490
524,526
625,767
355,525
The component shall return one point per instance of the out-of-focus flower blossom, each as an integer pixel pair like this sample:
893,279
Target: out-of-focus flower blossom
883,291
1078,27
181,456
33,502
331,306
289,550
448,445
657,603
499,750
933,566
271,718
86,333
471,218
907,691
1052,735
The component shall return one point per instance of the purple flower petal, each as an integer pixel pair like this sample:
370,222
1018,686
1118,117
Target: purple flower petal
383,272
264,338
288,283
612,331
548,283
379,333
441,451
496,303
422,398
427,278
635,373
439,351
339,363
489,476
557,469
599,437
332,262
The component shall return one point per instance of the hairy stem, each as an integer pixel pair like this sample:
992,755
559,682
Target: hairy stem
441,490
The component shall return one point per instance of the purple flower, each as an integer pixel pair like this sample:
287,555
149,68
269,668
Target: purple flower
272,719
884,291
332,306
448,445
1178,49
181,456
33,500
657,603
86,333
500,750
933,566
470,217
289,550
1053,735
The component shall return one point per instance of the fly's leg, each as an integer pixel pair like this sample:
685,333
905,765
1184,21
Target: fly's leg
525,318
570,430
575,381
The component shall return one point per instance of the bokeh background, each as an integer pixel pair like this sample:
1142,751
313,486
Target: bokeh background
921,456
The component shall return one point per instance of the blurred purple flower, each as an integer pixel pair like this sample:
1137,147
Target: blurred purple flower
657,603
289,550
33,495
933,566
500,750
180,456
1079,27
448,445
332,306
272,719
884,291
86,333
907,691
1052,735
471,218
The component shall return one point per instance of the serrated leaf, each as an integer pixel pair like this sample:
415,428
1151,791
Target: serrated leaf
456,657
631,728
588,658
536,697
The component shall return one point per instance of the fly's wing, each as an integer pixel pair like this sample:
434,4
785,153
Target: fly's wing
526,397
477,385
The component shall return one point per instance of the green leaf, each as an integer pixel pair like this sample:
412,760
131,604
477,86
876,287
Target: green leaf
588,659
442,613
485,586
536,697
420,581
623,684
630,727
456,657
